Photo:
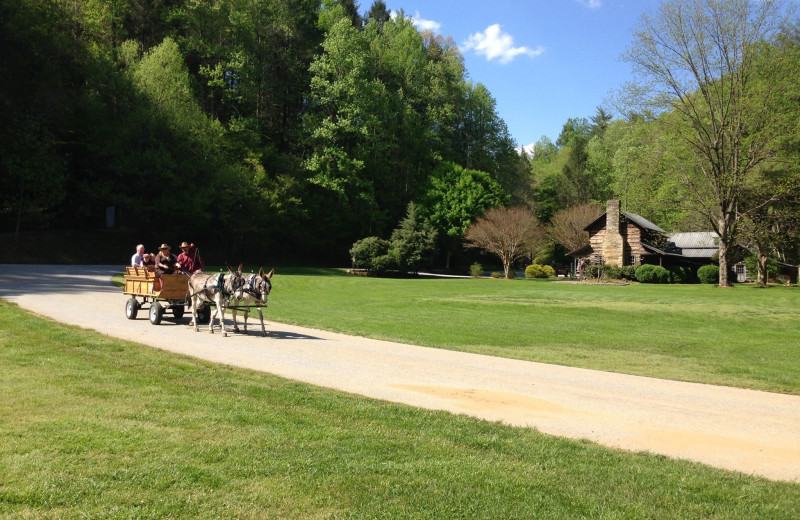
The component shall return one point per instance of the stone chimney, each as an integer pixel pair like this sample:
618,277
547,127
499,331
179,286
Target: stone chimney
613,245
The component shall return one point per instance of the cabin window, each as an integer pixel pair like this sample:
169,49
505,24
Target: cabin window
634,260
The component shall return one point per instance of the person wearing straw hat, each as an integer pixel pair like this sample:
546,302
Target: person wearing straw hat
189,260
165,261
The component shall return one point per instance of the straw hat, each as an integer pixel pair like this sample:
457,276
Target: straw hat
163,247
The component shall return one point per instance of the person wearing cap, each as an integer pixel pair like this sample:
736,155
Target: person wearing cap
138,256
189,260
165,261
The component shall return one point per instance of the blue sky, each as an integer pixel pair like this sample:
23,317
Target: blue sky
544,61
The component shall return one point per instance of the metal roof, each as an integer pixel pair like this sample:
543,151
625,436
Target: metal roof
641,221
698,244
633,217
695,239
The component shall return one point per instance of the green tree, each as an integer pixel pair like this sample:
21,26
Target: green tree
413,241
351,11
697,59
546,178
378,13
482,139
454,198
600,121
33,179
344,121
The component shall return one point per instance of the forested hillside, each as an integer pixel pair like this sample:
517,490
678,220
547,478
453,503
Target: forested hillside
284,123
300,126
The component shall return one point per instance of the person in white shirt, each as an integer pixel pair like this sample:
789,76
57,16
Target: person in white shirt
138,258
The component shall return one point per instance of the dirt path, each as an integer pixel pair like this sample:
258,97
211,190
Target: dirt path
743,430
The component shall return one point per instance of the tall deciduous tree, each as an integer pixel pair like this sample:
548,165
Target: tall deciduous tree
566,226
696,59
508,233
454,198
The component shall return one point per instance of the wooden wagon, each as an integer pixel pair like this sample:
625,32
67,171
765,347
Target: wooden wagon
168,292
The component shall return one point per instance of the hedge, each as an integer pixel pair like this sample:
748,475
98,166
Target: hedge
652,274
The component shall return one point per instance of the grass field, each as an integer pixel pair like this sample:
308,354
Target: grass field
746,336
93,427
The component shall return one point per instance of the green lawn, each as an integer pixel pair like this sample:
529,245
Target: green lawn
745,337
94,427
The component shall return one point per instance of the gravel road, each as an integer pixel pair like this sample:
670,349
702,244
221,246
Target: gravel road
743,430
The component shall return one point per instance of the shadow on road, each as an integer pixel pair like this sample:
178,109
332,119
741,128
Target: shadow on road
18,279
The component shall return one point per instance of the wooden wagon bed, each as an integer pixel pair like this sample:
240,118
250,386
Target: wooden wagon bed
168,292
142,281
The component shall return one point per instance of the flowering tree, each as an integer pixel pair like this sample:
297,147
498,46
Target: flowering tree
508,233
566,226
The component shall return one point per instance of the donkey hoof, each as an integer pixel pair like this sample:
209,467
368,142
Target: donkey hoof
224,334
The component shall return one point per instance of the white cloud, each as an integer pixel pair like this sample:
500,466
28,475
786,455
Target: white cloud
494,43
528,149
592,4
419,22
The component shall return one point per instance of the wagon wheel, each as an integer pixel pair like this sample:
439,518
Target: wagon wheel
178,310
203,315
131,308
156,313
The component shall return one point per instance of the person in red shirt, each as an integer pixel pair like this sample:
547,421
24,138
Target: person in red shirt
189,260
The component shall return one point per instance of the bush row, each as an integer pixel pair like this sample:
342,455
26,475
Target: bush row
654,273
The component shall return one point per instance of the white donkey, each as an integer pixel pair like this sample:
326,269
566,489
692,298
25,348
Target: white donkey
256,290
218,289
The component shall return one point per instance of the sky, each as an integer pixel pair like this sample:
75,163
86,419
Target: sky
544,61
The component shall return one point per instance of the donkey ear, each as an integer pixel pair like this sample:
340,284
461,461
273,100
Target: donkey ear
229,267
271,273
240,268
261,272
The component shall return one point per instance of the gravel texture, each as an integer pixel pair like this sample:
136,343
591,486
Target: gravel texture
743,430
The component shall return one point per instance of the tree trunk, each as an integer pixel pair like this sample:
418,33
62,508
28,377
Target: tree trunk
762,268
723,264
725,229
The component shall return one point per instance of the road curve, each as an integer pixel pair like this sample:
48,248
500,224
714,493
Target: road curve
742,430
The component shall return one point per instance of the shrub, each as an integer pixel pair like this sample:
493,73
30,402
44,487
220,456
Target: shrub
476,270
613,272
680,274
383,264
497,274
628,272
366,250
511,273
708,274
593,271
539,271
652,274
534,271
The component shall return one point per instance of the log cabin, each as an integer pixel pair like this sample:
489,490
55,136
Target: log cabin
621,238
